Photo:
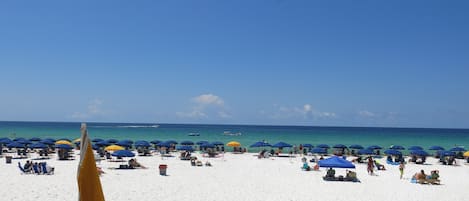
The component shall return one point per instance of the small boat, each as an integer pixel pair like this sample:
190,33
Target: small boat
193,134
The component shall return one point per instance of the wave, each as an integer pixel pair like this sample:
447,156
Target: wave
128,126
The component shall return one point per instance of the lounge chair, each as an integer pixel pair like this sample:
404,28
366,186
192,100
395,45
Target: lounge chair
23,171
45,170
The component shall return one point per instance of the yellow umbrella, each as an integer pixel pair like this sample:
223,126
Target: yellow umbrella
63,142
466,154
114,148
77,140
233,144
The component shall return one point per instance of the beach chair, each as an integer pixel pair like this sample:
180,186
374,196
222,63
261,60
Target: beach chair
45,170
23,171
36,169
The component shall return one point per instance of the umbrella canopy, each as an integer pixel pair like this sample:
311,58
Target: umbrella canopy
339,146
142,144
112,141
207,145
5,141
336,162
319,151
18,139
419,153
114,148
128,141
123,153
308,146
201,142
172,142
324,146
124,144
397,147
374,147
63,142
187,142
164,144
261,144
49,139
218,143
102,143
47,142
97,140
16,145
457,149
233,144
365,152
466,154
185,148
64,146
438,148
35,139
24,141
66,139
415,148
446,153
38,146
281,145
155,141
392,152
356,146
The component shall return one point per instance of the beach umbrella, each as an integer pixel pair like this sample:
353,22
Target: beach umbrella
24,141
374,147
185,148
201,142
164,144
65,139
392,152
418,152
97,140
155,141
339,146
207,145
95,147
127,141
38,146
49,139
172,142
309,146
415,148
5,141
336,162
233,144
319,151
457,149
397,147
324,146
114,148
281,145
35,139
356,146
142,144
16,145
112,141
123,153
102,143
438,148
187,142
365,152
64,146
18,139
47,142
63,142
124,143
261,144
218,143
446,153
466,154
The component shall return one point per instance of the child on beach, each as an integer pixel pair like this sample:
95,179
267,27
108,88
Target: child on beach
401,169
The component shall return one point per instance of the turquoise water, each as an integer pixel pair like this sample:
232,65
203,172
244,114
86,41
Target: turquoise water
384,137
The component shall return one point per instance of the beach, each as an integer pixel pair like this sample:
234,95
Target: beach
233,177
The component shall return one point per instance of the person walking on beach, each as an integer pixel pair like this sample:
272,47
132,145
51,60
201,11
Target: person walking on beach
401,168
370,165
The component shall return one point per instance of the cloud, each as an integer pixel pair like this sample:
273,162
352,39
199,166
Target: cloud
305,112
365,113
93,110
206,106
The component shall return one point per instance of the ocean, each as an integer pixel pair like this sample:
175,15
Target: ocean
250,134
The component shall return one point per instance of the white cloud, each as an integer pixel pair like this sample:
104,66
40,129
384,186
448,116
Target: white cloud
206,105
365,113
93,110
306,112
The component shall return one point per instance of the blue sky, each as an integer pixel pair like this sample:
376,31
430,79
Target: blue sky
337,63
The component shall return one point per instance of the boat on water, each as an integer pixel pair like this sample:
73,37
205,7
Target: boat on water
229,133
193,134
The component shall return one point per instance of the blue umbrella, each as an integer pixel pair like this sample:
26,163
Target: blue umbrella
339,146
261,144
35,139
18,139
319,151
281,145
155,141
112,141
38,146
356,146
128,141
365,152
124,143
5,141
336,162
446,153
97,140
397,147
24,141
172,142
95,147
47,142
163,144
419,152
185,148
187,142
16,145
415,148
438,148
64,146
207,145
324,146
392,152
49,139
201,142
374,147
123,153
308,146
457,149
142,144
102,143
218,143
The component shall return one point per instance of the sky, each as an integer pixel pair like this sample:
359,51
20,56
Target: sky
278,62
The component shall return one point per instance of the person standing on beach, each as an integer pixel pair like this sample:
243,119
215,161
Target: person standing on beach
401,168
370,165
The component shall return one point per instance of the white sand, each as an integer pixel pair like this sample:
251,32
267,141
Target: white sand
234,178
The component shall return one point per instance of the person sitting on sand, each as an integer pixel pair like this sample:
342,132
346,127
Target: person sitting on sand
208,164
306,166
379,166
420,177
330,173
134,164
28,166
